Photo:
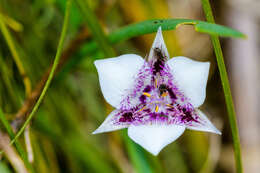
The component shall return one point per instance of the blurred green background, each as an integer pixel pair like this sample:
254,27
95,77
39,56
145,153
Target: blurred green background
59,137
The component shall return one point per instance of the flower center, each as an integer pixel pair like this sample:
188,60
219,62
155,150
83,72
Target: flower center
157,98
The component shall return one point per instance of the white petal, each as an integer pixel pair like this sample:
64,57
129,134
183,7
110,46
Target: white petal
204,124
191,78
116,75
108,125
158,43
154,137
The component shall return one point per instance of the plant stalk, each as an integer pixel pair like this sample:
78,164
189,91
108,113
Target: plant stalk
226,87
53,69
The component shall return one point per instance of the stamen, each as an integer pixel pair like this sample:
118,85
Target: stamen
141,109
156,108
169,105
155,83
146,94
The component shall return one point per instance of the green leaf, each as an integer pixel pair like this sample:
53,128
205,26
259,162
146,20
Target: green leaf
151,26
215,29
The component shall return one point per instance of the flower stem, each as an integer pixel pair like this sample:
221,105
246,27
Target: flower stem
226,87
55,63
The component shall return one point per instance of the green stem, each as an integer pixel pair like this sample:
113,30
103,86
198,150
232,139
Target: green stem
17,59
4,71
226,88
56,61
96,29
17,144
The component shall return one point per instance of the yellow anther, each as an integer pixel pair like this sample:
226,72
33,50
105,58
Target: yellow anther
146,94
155,83
169,105
156,108
164,94
141,109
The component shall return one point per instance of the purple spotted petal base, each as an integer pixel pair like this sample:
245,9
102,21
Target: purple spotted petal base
155,98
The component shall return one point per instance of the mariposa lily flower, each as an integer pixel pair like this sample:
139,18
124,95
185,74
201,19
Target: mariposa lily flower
156,98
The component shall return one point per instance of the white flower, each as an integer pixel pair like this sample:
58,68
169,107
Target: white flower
155,99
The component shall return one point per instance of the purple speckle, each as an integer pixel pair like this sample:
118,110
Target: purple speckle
163,117
127,117
171,108
153,116
187,115
142,98
172,94
147,89
158,66
147,110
